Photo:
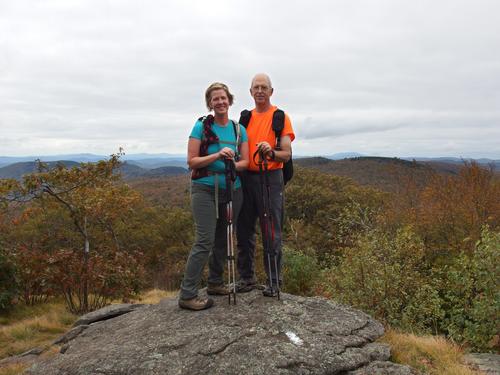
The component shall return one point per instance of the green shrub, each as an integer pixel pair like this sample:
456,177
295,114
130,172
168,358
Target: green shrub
8,283
325,213
423,311
472,294
300,272
387,276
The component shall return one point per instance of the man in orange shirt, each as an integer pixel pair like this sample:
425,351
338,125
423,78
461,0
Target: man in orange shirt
261,137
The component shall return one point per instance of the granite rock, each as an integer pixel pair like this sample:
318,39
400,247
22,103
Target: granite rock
258,335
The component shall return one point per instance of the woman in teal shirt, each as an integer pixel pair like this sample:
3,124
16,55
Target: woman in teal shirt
213,140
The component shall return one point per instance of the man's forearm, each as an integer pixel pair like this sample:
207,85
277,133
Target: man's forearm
282,156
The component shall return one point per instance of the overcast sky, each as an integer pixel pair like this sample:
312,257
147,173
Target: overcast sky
379,77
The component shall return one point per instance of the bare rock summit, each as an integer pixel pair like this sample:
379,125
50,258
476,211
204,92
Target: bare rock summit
258,335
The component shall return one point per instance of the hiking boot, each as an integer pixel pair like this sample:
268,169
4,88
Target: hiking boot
217,290
245,286
196,303
270,292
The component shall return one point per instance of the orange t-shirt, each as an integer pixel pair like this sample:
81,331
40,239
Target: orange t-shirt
260,129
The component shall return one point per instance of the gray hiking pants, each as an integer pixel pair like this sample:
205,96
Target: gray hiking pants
253,208
210,237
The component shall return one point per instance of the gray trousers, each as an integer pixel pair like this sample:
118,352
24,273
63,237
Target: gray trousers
253,208
210,237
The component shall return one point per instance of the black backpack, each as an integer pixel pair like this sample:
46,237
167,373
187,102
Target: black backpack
278,124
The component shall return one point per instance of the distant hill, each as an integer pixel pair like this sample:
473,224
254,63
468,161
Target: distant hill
128,170
165,190
147,161
167,171
159,162
81,158
85,158
382,173
344,155
17,170
458,161
150,161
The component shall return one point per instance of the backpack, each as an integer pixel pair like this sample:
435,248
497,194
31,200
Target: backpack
208,137
278,124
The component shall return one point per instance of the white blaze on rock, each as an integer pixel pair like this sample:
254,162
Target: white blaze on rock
294,338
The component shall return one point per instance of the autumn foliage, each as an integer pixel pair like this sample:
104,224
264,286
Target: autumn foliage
422,256
67,239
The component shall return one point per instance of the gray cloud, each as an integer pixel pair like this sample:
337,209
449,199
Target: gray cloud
389,77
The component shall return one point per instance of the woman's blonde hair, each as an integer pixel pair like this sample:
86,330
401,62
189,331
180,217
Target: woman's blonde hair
217,86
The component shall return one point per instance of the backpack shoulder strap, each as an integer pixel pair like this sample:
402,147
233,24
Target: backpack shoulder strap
278,125
202,119
207,137
245,117
237,132
208,134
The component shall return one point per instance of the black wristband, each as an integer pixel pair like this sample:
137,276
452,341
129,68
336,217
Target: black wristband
273,155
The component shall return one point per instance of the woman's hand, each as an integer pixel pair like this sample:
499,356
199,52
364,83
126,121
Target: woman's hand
226,153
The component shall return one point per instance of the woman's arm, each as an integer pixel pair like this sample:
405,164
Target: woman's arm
195,161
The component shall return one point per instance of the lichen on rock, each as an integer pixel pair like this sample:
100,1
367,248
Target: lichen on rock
258,335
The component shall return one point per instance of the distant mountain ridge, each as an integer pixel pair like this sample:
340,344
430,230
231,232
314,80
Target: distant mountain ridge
86,157
383,173
146,161
128,170
366,170
19,169
156,160
483,161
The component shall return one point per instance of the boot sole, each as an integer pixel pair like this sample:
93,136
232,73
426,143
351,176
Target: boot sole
193,308
246,289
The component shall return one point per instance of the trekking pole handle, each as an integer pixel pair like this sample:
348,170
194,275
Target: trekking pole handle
230,167
263,158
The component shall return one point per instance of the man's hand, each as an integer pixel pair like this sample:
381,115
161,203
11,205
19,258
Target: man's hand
265,148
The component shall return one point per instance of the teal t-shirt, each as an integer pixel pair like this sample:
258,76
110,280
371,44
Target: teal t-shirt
227,138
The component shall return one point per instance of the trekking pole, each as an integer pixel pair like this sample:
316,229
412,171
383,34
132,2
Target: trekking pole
230,172
267,222
271,227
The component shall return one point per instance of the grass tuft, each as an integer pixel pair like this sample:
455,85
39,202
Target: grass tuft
14,369
27,327
39,330
22,311
432,355
155,295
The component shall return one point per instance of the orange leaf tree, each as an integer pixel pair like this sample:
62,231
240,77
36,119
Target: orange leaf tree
88,262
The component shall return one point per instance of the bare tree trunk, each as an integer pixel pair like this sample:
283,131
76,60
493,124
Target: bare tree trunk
86,267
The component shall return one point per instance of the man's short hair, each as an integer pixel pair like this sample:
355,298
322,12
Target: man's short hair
265,76
217,86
